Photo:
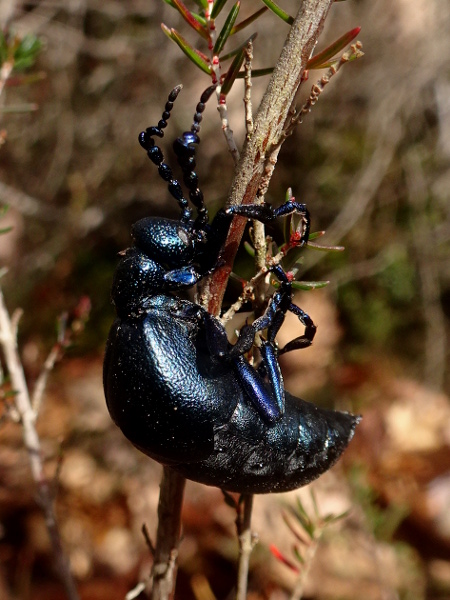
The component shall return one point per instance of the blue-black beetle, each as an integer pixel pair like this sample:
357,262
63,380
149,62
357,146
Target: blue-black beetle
176,387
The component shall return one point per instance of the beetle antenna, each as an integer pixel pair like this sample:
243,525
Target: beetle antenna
185,150
155,154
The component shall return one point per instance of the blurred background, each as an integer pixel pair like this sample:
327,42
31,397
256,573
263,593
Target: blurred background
372,162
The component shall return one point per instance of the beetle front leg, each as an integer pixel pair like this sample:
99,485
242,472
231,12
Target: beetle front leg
265,213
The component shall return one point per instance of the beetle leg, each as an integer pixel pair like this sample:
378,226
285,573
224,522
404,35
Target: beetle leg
272,320
267,214
254,385
305,340
258,392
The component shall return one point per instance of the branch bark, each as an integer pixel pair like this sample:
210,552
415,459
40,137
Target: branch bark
28,416
268,128
168,535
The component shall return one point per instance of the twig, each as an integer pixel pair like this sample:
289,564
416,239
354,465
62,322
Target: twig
41,382
8,342
319,86
308,559
268,127
248,89
227,131
247,541
168,534
247,294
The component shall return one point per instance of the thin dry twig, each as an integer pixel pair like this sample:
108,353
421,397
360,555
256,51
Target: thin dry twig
41,383
316,90
247,541
248,89
268,127
28,416
274,108
168,534
227,131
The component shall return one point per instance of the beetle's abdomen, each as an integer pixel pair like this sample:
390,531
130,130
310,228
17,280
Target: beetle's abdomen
250,457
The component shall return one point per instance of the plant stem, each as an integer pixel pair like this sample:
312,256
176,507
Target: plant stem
246,544
28,416
168,535
268,129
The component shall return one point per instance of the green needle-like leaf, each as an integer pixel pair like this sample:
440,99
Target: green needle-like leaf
240,26
249,249
298,534
298,555
328,519
271,5
239,48
202,4
190,18
306,286
232,73
315,505
321,248
287,229
304,521
217,7
201,19
198,58
26,52
227,27
316,234
320,61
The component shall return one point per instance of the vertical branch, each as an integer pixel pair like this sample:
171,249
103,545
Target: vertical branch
246,544
267,131
248,89
168,535
252,177
268,128
8,342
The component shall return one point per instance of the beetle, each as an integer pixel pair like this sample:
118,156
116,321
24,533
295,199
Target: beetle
175,385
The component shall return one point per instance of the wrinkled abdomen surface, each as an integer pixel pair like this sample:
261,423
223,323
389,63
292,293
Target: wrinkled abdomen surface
251,457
